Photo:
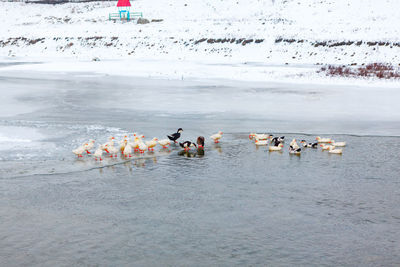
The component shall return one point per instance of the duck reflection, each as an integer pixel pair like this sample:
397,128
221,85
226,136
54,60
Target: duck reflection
218,148
187,153
140,162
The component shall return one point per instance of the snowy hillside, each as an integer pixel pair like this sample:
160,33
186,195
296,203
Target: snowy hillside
295,33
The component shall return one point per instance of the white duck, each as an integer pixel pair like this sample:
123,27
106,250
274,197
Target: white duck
308,145
142,147
140,136
295,151
151,144
323,140
275,148
113,151
98,153
164,142
294,144
135,143
334,150
260,142
262,136
216,137
89,145
79,151
128,150
109,143
327,147
338,144
122,145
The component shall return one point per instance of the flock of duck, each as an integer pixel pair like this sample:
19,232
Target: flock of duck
276,143
127,146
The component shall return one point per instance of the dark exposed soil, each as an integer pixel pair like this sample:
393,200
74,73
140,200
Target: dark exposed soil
334,43
242,41
378,70
55,2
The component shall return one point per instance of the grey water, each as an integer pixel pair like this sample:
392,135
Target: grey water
236,205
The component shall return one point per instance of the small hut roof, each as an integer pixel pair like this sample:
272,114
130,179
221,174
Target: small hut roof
122,3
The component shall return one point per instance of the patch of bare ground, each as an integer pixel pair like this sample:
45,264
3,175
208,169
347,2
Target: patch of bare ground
376,70
242,41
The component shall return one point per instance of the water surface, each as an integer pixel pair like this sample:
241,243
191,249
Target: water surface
236,205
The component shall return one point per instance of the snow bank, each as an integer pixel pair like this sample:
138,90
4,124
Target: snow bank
252,37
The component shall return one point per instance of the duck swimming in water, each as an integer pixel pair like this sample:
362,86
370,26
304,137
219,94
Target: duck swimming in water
276,148
323,140
175,136
295,151
275,142
309,145
327,147
294,144
187,145
334,150
338,144
279,139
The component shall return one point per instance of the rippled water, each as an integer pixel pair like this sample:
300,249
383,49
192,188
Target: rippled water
236,205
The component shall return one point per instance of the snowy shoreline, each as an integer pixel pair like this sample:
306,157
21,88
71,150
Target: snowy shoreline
223,72
254,40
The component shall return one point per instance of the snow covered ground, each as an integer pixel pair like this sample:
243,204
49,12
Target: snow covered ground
232,39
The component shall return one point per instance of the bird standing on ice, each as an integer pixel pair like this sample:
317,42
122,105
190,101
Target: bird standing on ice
113,151
261,142
98,153
151,144
79,151
175,136
164,143
123,143
109,143
135,143
89,145
128,150
216,137
142,147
